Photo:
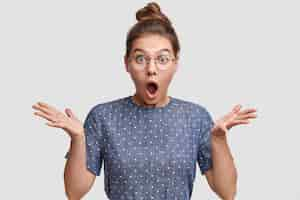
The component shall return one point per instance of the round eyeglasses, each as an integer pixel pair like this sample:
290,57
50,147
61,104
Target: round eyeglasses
163,62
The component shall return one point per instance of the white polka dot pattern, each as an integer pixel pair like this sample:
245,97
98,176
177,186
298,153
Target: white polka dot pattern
148,153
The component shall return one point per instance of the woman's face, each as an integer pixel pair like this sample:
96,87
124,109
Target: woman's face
143,70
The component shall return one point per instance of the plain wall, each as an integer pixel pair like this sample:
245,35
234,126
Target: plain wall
70,54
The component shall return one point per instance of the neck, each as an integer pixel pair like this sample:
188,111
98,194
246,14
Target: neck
165,100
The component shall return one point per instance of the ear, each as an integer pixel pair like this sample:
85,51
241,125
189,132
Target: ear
176,64
176,67
126,63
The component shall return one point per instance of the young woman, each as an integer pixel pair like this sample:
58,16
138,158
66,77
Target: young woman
150,142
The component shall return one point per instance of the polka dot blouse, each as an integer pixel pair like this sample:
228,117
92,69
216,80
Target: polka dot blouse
148,153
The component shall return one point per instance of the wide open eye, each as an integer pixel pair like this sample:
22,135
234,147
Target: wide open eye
163,59
140,59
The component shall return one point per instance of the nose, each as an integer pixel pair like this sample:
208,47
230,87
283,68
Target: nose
151,67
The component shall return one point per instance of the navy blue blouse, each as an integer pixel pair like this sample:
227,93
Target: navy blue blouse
148,153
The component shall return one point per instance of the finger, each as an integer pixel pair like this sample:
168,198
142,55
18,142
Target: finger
247,116
43,109
69,112
72,115
237,122
57,125
249,110
45,105
236,108
48,117
233,112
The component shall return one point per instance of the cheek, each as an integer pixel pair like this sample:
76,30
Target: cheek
137,77
167,78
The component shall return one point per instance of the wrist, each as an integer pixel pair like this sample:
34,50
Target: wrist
77,137
218,137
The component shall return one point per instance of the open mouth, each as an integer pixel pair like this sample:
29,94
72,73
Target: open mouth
152,87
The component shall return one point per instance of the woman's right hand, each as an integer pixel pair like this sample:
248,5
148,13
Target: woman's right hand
69,122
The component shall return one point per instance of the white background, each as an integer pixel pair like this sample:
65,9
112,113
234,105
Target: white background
70,54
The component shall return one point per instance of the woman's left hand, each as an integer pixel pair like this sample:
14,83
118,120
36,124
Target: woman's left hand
233,118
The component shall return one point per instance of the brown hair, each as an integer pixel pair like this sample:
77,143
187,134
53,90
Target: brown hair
152,21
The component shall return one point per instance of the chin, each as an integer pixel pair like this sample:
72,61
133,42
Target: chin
147,100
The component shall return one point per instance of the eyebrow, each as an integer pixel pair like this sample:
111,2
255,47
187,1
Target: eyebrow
138,49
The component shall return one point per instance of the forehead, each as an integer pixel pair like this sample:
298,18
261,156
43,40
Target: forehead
152,44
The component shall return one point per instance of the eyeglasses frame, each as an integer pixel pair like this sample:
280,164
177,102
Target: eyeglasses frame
149,58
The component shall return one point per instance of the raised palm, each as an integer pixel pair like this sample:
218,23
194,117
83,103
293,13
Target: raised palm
68,121
233,118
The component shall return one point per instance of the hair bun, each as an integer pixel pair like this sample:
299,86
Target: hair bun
151,11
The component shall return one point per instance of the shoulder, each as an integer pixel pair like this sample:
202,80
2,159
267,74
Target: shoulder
107,107
192,107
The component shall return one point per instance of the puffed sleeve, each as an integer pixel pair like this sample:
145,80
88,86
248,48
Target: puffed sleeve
204,156
94,142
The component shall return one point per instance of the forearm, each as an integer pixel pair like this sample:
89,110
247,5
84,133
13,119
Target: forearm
75,175
224,171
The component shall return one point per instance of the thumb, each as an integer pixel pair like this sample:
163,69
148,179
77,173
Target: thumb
69,113
236,108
